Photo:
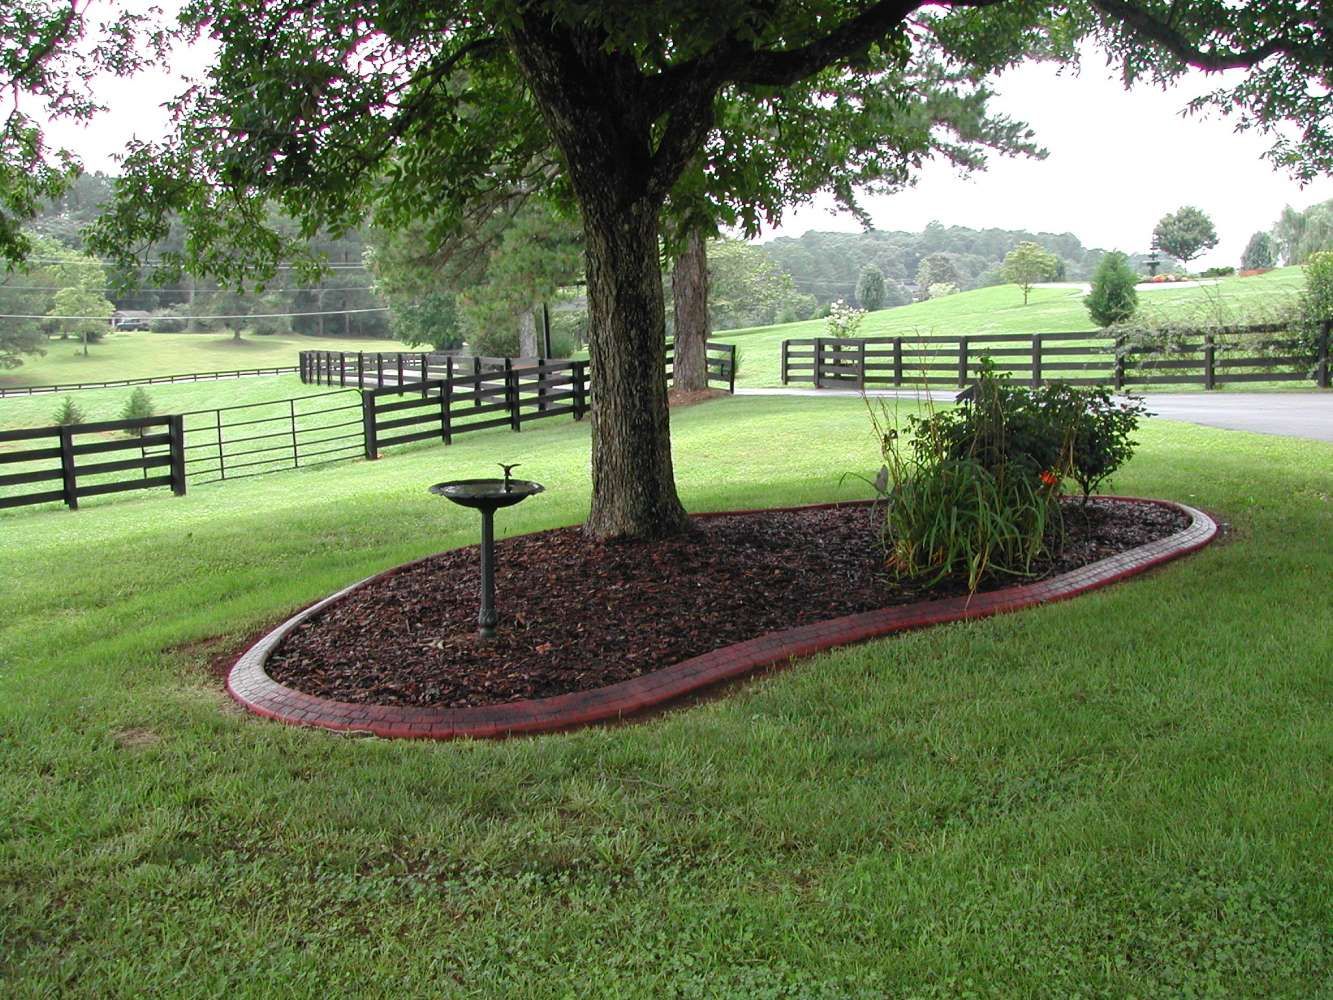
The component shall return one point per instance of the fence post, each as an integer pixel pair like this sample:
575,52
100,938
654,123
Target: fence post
1036,360
1119,377
446,404
400,370
222,466
962,362
379,370
541,385
731,379
368,425
291,412
476,381
897,360
511,395
861,363
176,441
1322,366
342,368
71,485
819,362
1209,362
360,369
580,403
784,362
424,390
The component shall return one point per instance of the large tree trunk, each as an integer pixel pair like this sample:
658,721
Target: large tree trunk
633,484
527,333
604,120
689,289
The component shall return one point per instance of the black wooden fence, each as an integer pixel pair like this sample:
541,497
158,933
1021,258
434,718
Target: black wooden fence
1268,353
35,390
378,370
65,465
472,400
719,363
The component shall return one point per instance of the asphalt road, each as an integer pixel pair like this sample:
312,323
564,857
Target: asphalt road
1290,414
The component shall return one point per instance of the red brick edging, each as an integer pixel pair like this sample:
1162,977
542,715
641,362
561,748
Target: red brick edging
250,685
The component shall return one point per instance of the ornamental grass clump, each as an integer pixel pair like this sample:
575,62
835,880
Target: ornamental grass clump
973,492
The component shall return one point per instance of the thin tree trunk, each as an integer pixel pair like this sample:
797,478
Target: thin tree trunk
633,483
689,290
527,333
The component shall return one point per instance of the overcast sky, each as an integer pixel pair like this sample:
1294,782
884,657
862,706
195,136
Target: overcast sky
1118,161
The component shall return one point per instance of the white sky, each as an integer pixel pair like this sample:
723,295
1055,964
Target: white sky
1118,162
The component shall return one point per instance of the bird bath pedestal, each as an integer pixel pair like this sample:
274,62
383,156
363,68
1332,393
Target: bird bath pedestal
487,496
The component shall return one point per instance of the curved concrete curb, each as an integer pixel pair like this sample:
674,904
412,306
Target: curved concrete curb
250,685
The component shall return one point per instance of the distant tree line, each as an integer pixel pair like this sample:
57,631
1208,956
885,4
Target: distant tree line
829,266
347,287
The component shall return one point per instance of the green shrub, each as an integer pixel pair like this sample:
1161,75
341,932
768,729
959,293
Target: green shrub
68,413
1217,272
1112,298
166,324
137,406
973,493
1317,300
1099,442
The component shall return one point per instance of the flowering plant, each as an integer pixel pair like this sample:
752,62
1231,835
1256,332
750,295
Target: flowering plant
843,320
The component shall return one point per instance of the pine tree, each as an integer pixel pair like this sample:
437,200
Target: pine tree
1113,298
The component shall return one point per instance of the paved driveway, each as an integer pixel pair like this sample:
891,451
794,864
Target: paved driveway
1291,414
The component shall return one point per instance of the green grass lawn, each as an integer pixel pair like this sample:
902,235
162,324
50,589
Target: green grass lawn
134,355
1000,309
1125,794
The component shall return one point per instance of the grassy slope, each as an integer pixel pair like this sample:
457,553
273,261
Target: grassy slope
1123,794
1000,309
132,355
180,397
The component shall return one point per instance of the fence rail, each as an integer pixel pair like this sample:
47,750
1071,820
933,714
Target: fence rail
472,400
378,370
1266,353
719,363
34,390
64,465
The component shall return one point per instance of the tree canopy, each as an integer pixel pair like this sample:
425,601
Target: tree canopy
870,288
335,109
1184,234
1028,263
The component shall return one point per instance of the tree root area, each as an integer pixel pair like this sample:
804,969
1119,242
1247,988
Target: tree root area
576,614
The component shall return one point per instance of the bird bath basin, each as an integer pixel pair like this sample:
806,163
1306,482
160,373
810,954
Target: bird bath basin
487,496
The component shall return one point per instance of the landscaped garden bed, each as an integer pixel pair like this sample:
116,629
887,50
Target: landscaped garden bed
578,615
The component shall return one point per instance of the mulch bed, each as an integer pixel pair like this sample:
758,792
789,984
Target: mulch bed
576,614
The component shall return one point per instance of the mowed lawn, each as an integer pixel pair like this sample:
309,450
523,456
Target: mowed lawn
138,355
1122,795
1000,309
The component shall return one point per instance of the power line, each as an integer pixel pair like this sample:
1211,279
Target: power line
326,312
158,263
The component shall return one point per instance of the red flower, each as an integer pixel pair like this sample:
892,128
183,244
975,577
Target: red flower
1049,478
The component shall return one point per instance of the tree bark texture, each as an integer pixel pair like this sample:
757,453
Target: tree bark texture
689,290
601,117
633,482
527,333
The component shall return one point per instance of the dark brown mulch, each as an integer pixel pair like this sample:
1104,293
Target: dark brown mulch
576,614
